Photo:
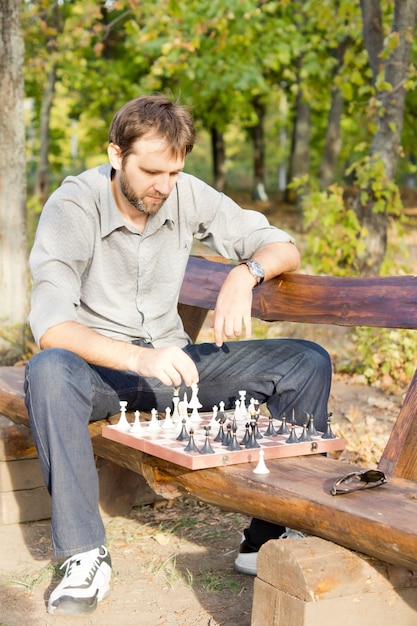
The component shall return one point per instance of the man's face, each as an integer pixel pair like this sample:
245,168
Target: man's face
149,174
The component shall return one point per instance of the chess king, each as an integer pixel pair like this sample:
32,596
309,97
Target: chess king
107,263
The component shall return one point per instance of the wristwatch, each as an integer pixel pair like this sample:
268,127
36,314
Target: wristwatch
256,270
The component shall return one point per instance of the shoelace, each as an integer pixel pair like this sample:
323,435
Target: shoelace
87,565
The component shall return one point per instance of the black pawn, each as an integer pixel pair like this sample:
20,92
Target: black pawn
234,444
293,436
252,442
246,435
283,429
183,436
271,430
310,427
328,434
256,429
228,436
207,449
304,434
220,434
191,447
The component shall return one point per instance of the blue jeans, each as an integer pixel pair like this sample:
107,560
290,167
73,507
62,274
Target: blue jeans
64,393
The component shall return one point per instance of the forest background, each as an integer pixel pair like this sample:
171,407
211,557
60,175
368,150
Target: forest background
307,104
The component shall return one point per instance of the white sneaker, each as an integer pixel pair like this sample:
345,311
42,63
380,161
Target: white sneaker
246,560
86,581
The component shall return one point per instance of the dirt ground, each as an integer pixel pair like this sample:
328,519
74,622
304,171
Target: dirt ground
173,563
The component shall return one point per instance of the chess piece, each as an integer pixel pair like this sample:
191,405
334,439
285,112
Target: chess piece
270,431
175,402
228,435
293,436
310,426
194,403
207,449
246,435
234,444
183,436
261,468
168,424
328,434
252,441
283,429
136,426
220,434
154,424
123,423
191,446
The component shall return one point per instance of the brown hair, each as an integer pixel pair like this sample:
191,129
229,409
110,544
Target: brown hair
155,114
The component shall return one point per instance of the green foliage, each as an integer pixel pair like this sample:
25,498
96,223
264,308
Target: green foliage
385,357
375,185
333,233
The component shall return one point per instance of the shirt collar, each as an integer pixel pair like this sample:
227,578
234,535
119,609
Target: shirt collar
111,218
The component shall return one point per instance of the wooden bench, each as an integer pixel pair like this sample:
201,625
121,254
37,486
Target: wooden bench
377,522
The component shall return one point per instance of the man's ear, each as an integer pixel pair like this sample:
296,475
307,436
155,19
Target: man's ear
115,156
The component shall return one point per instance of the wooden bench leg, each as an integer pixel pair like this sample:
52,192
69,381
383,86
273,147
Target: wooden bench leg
305,582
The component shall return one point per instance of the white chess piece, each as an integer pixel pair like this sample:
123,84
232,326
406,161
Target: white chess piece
176,417
154,424
123,424
136,427
261,468
194,404
168,424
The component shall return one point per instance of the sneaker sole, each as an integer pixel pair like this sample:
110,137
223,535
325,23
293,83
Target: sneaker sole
76,606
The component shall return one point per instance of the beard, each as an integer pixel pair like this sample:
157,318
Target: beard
148,208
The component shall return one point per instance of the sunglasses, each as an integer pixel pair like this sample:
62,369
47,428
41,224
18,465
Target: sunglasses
355,481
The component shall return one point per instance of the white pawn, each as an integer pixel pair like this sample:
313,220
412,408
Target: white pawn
168,424
154,425
123,424
136,427
261,468
213,420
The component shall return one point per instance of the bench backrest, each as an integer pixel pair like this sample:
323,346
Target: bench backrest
384,302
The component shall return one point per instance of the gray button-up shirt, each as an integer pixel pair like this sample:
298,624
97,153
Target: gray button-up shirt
88,265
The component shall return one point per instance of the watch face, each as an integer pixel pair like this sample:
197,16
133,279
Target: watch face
256,270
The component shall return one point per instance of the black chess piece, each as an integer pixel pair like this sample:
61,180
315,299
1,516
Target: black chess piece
234,444
304,434
258,434
228,435
328,434
311,427
207,449
293,436
271,430
191,447
183,436
220,434
246,435
283,429
252,441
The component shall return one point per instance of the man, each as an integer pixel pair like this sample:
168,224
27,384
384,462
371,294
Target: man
107,263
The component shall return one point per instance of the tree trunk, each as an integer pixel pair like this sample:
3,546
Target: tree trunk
42,173
13,269
333,140
300,155
219,159
257,133
386,141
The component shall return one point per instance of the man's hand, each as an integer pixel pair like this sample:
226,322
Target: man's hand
234,305
172,366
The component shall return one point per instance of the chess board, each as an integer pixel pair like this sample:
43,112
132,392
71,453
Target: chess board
163,443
